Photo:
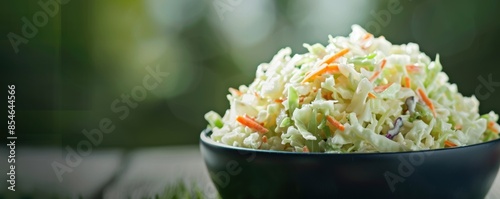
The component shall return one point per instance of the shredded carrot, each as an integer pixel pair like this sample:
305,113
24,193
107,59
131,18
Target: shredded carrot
279,100
328,96
412,68
371,95
427,101
305,149
246,121
326,66
264,139
335,123
235,91
381,88
458,127
448,143
323,69
332,68
366,41
407,82
336,56
253,119
491,126
377,73
374,76
367,36
382,63
256,94
301,99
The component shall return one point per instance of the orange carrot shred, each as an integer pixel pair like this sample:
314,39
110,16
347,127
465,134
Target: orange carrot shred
279,100
366,41
448,143
412,68
367,36
326,66
377,73
336,56
256,94
328,96
371,95
427,101
264,139
382,63
458,127
335,123
235,91
491,126
253,119
407,82
246,121
381,88
332,68
323,69
305,149
301,99
374,76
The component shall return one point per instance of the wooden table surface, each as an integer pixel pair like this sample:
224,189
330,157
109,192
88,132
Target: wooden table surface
116,174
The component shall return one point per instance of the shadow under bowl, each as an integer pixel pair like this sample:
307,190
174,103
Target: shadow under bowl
462,172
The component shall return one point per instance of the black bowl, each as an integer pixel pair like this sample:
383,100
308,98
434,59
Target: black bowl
462,172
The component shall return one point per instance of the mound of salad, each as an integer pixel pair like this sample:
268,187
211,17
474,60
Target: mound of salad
357,94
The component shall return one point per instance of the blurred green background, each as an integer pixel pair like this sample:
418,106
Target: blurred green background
92,52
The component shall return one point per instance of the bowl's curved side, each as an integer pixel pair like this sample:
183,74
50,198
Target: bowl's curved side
465,172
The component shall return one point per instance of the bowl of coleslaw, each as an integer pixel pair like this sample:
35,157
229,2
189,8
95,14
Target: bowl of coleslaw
355,118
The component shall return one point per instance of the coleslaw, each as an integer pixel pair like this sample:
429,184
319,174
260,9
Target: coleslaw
357,94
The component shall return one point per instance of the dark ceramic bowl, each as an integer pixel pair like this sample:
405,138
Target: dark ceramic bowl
463,172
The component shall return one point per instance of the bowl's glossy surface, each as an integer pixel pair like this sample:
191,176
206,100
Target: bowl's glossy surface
463,172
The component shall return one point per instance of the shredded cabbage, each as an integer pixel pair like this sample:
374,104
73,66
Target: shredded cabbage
346,96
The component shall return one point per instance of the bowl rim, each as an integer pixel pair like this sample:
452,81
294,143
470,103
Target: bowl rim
204,138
